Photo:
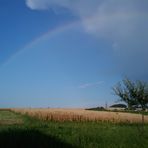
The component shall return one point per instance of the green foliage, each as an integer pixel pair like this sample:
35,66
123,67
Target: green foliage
97,109
118,105
39,134
141,94
133,93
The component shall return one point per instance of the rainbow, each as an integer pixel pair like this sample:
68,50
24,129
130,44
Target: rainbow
60,29
50,33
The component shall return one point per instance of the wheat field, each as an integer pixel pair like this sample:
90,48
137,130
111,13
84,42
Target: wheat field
61,114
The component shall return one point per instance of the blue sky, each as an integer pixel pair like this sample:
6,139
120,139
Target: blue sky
65,53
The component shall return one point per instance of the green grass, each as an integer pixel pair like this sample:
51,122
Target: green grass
31,132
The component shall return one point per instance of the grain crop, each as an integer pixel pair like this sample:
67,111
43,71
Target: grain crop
62,114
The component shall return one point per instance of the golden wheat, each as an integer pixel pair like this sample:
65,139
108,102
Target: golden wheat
61,114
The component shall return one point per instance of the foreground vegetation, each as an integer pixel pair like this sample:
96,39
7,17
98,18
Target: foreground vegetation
21,131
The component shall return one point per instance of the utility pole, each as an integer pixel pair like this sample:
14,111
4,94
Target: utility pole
106,106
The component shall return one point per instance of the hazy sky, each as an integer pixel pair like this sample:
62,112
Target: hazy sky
69,53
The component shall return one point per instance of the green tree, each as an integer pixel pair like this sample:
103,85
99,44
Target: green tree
133,93
126,92
141,94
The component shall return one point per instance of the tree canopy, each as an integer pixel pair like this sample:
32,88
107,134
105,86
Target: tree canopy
133,93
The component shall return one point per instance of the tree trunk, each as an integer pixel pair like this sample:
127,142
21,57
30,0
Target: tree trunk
142,121
142,118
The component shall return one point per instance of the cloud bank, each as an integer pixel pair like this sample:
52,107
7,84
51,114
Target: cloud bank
124,23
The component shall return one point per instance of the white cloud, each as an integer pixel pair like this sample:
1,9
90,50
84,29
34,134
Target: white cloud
115,20
36,4
122,22
46,4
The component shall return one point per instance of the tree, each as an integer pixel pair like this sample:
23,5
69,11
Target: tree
133,93
141,94
119,105
126,92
